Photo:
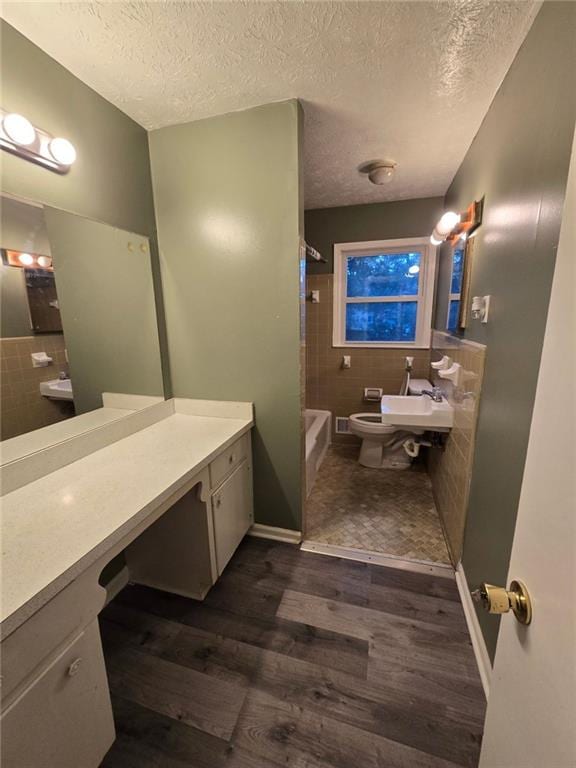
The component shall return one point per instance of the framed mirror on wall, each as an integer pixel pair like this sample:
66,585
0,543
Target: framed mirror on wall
459,298
78,320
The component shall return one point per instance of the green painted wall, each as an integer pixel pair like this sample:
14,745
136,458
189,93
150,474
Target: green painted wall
227,198
376,221
110,181
519,160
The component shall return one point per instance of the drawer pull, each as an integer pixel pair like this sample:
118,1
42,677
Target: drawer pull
74,668
218,501
231,459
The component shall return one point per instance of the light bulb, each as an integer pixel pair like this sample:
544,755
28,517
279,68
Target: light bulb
62,151
26,259
44,261
19,129
435,238
447,223
414,269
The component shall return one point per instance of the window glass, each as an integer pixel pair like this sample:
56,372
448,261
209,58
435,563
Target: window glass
384,274
457,264
453,315
381,321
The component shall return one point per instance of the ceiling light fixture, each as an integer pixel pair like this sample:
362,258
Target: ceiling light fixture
379,171
19,137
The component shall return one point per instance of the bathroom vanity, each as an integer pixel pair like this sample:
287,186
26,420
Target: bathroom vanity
172,490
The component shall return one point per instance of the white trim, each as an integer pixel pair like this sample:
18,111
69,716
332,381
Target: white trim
376,558
480,650
424,299
117,583
286,535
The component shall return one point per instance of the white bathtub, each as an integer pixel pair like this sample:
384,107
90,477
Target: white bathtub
318,435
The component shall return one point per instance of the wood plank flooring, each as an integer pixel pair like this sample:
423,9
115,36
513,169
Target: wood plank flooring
294,659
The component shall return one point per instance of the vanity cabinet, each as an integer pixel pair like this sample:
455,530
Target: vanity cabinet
64,717
232,513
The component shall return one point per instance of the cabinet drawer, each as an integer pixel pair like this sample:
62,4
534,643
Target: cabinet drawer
228,459
232,513
64,718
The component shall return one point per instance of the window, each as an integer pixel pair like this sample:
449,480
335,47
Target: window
383,293
455,289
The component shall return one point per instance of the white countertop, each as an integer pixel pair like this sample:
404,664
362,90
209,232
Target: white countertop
57,526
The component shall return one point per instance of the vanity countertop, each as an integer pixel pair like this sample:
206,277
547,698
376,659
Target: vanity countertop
56,527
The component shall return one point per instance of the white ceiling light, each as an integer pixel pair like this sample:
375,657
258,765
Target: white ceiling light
19,129
379,171
26,259
62,151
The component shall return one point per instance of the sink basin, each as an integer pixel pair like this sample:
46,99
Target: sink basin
417,411
57,389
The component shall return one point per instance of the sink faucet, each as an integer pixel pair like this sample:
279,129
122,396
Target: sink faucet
435,393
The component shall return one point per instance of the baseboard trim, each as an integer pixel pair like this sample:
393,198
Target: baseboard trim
376,558
480,650
286,535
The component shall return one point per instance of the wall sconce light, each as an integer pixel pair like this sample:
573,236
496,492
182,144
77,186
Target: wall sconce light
453,226
20,137
23,260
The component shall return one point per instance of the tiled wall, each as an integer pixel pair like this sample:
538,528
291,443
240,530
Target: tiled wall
450,466
332,388
22,406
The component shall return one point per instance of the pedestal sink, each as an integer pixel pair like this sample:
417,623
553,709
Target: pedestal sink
57,389
417,411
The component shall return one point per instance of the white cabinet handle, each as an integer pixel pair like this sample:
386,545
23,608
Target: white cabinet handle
74,668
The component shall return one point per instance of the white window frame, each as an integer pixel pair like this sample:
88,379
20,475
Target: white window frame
425,298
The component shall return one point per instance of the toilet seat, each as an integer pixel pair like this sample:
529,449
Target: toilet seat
371,423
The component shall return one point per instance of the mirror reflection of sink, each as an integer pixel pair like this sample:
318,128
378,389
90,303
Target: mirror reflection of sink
57,389
416,411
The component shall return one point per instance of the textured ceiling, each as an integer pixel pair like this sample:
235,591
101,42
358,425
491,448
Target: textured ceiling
407,81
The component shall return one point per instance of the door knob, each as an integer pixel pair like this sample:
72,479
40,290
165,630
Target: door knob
501,600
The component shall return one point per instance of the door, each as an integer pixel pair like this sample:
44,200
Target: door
232,510
531,718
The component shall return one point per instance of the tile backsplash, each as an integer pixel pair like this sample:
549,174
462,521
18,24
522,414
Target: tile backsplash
450,466
23,408
333,388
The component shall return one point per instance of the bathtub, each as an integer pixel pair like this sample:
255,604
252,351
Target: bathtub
318,425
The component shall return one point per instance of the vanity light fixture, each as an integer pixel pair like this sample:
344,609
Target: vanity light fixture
453,226
19,137
26,259
44,261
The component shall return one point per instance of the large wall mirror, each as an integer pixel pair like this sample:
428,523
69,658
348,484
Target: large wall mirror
78,320
459,297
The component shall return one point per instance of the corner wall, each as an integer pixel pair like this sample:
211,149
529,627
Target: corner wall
228,210
519,160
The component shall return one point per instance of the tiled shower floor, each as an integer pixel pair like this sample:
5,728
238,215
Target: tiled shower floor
381,510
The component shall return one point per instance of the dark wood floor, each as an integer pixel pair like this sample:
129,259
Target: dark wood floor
294,659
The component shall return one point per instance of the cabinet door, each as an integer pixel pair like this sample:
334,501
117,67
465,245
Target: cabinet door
232,511
64,720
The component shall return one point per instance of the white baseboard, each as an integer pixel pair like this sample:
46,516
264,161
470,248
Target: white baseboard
286,535
376,558
480,650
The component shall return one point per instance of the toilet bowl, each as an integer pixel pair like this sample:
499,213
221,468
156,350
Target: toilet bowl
382,445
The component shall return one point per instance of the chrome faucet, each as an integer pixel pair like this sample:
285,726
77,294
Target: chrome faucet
435,393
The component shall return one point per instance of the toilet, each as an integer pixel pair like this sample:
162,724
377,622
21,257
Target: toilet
383,445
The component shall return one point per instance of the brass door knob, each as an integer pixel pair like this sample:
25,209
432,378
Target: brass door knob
501,600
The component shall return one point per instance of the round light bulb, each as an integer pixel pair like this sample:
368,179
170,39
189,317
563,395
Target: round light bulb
26,259
19,129
435,238
381,174
44,261
62,151
447,223
414,269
